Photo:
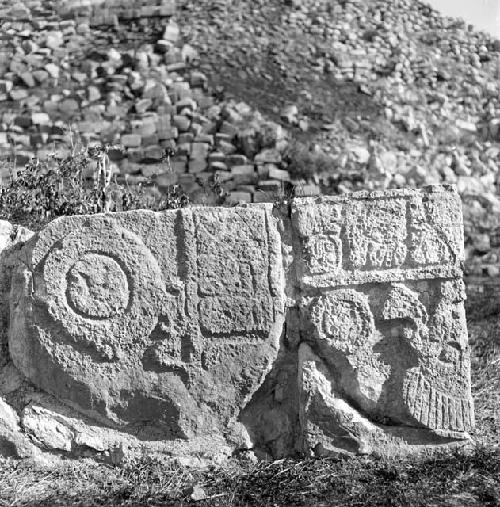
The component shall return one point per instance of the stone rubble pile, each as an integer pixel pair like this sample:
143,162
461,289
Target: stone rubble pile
63,80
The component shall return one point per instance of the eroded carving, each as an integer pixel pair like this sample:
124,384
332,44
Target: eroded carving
162,326
379,236
436,232
97,287
395,360
323,253
103,285
144,321
233,263
376,233
344,320
391,349
437,392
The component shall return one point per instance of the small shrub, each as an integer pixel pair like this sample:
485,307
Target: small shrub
53,187
302,163
211,193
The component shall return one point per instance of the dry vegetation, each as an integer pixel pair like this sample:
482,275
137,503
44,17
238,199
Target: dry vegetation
456,480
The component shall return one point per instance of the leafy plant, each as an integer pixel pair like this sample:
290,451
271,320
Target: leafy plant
305,163
55,186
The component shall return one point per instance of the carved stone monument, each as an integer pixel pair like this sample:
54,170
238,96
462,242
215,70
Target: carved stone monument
335,326
383,353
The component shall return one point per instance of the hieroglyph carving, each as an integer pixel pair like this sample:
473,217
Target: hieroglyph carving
400,363
379,236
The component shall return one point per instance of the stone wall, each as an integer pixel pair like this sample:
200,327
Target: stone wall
111,12
335,325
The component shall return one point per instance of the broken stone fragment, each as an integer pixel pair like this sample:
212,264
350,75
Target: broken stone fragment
40,76
27,79
40,119
131,140
199,151
10,236
172,32
181,122
289,114
239,197
156,297
13,443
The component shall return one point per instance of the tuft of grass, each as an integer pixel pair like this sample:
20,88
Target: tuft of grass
485,345
460,479
87,483
303,163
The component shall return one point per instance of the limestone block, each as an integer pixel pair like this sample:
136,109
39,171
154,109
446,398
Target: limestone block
12,442
279,174
151,140
199,151
47,430
197,166
385,354
247,170
11,238
161,325
131,140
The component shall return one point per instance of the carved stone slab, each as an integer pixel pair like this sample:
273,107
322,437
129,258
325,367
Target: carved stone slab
382,319
159,324
337,325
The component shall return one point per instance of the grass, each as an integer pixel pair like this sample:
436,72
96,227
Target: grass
459,479
463,478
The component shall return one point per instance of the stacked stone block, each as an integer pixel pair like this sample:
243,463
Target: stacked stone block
68,85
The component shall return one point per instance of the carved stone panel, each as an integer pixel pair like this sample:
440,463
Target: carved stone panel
385,330
378,236
337,325
161,324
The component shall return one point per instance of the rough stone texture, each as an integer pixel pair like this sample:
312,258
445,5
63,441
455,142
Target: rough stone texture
333,325
161,325
382,319
11,238
12,442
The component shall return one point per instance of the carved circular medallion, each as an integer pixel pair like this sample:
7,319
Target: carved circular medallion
103,285
344,319
97,287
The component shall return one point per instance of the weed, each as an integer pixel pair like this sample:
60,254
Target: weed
55,186
457,479
304,163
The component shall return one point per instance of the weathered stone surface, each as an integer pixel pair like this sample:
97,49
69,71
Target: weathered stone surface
338,327
12,442
158,324
11,238
383,318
